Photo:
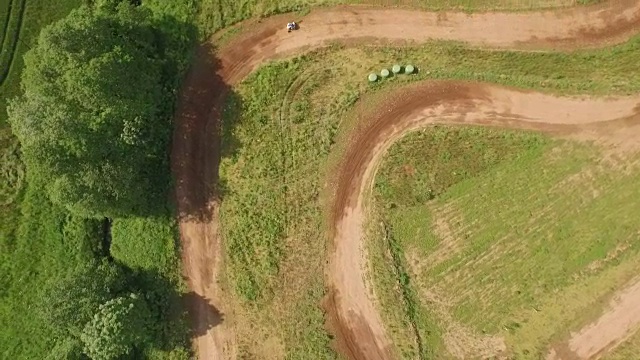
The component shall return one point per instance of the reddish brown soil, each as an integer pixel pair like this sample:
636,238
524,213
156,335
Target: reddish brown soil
196,143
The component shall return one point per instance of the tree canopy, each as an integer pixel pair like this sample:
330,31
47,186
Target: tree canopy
68,304
118,326
93,119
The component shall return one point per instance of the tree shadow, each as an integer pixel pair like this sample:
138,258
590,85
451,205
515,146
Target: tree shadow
207,111
204,316
177,317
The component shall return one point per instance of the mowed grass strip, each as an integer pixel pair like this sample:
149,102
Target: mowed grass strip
5,7
481,5
559,73
9,42
501,246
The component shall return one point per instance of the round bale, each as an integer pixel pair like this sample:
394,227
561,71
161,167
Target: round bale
373,77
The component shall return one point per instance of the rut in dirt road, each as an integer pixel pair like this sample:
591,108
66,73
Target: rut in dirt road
196,143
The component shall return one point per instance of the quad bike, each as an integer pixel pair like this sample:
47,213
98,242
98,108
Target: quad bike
292,26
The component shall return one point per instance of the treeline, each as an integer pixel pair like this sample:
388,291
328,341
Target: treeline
94,123
95,117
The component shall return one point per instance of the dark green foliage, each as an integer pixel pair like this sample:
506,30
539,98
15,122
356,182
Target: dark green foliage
68,304
49,281
95,116
67,349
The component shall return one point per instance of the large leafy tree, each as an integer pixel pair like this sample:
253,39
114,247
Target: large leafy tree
93,119
67,349
118,326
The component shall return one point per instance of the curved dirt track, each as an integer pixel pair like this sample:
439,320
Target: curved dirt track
196,152
451,102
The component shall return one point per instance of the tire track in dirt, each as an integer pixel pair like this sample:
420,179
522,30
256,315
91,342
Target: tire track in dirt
196,147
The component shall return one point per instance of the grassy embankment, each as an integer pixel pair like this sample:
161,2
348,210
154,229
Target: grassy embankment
630,349
281,127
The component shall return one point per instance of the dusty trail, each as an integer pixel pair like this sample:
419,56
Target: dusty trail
196,152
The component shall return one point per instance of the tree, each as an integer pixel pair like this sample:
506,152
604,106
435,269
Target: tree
68,304
119,325
93,118
67,349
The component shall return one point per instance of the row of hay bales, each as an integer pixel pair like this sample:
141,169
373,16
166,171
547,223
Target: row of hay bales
396,69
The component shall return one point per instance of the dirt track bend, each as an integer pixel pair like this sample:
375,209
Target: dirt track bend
196,152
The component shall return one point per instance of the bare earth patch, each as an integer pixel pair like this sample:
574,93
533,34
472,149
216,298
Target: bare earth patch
615,325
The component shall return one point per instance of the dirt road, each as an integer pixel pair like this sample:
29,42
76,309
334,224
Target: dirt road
196,152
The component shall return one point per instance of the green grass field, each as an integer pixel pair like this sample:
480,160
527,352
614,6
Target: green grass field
498,240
